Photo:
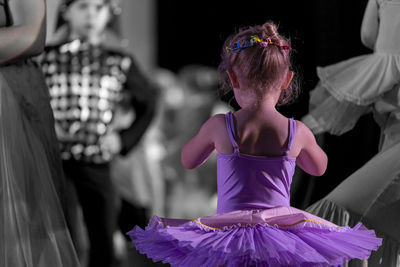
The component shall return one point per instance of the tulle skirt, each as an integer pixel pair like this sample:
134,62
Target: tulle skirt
370,195
348,89
33,231
282,236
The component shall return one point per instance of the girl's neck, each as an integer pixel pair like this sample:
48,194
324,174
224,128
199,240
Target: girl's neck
264,106
252,102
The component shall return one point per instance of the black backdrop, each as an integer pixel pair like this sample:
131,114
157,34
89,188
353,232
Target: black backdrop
321,32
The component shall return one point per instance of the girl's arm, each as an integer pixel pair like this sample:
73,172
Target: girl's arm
27,35
312,159
200,147
370,25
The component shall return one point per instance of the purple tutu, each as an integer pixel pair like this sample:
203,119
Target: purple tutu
282,236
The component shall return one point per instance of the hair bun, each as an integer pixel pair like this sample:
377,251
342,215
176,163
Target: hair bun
271,30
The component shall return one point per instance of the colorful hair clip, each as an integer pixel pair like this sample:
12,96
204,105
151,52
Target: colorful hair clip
255,39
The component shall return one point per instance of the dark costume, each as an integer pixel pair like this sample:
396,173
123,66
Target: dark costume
89,85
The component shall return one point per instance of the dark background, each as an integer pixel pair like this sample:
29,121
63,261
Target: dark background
321,33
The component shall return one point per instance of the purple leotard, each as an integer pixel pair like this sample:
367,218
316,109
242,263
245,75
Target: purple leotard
254,182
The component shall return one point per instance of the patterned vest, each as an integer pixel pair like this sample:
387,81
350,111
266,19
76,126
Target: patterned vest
86,84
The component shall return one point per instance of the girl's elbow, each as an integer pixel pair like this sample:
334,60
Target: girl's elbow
368,44
185,160
186,164
320,170
368,40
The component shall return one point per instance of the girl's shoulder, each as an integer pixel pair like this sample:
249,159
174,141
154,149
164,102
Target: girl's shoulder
215,126
218,117
304,135
302,138
302,129
216,121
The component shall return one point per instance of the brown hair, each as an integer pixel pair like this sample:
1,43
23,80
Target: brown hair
261,68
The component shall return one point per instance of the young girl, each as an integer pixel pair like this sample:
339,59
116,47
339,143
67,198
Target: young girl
32,225
258,150
346,91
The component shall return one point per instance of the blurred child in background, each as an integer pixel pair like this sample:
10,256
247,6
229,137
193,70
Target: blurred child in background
102,105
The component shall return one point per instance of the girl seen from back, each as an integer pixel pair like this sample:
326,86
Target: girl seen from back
257,151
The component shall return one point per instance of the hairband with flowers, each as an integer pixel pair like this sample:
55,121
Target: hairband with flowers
255,39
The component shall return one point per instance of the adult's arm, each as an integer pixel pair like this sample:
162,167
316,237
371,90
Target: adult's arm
26,37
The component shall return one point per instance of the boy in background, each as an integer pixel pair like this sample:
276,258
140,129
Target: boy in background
102,106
